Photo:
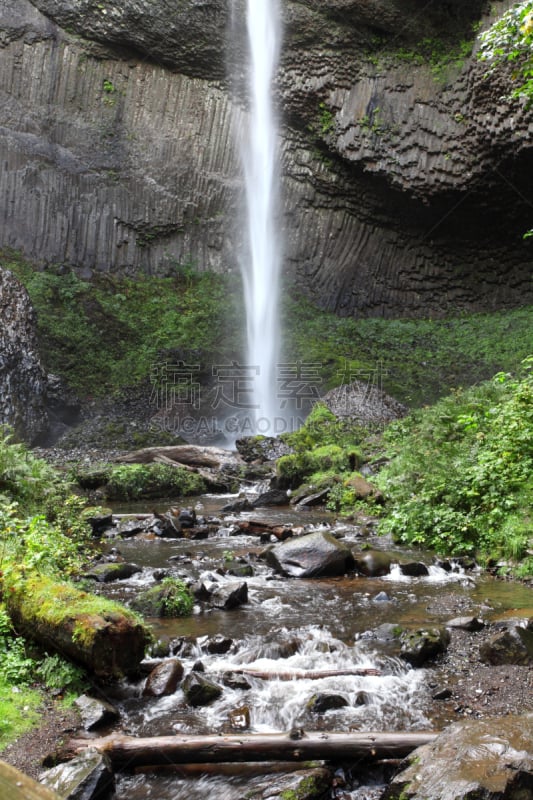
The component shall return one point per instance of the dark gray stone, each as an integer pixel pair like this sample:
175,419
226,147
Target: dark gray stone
423,644
315,555
95,713
199,691
164,679
87,777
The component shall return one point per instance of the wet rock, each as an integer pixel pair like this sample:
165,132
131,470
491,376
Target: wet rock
381,597
95,713
362,699
309,784
239,718
310,499
117,571
201,592
219,644
321,702
131,527
239,570
314,555
442,694
274,497
87,777
164,679
472,624
198,666
199,691
513,646
236,506
483,759
235,681
421,645
229,596
100,522
163,600
414,569
373,563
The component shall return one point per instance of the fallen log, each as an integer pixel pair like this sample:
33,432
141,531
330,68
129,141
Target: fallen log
192,455
99,634
17,786
128,752
310,674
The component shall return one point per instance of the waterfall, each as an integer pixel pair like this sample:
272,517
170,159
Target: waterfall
262,263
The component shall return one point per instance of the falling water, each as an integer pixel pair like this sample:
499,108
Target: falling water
261,267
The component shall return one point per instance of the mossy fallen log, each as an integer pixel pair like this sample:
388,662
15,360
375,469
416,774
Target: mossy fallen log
127,752
102,636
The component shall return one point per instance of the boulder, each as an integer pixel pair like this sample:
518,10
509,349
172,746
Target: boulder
423,644
199,691
414,569
274,497
218,644
233,680
95,713
320,703
373,563
164,679
229,596
315,555
87,777
512,646
489,759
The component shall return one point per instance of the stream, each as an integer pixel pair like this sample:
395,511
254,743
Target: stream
291,625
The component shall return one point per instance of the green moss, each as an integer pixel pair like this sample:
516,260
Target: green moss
136,481
46,601
171,598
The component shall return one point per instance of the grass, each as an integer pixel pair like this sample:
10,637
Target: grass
111,334
19,711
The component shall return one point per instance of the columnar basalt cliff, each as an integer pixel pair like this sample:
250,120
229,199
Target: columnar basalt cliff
407,174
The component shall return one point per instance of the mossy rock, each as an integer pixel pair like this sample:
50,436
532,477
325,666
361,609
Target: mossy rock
170,598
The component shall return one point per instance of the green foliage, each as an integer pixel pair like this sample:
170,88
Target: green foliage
461,475
170,598
510,40
444,56
177,600
18,711
418,361
327,121
55,672
108,334
135,481
24,478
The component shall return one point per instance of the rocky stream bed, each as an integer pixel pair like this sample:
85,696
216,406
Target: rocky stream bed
373,638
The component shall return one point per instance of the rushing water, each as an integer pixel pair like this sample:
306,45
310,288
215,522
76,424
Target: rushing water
261,265
288,625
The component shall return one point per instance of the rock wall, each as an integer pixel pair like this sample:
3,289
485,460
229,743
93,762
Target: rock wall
407,179
22,379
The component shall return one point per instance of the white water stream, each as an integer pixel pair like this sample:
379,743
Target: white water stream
262,262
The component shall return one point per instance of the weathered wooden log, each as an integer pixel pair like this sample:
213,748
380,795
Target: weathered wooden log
310,674
128,752
101,635
14,785
192,455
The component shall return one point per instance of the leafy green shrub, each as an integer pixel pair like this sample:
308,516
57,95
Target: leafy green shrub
134,481
24,478
57,673
510,40
461,475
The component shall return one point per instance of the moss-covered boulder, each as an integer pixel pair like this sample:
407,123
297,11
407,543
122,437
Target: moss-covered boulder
103,636
170,598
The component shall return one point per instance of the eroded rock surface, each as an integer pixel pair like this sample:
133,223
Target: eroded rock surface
406,171
22,378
